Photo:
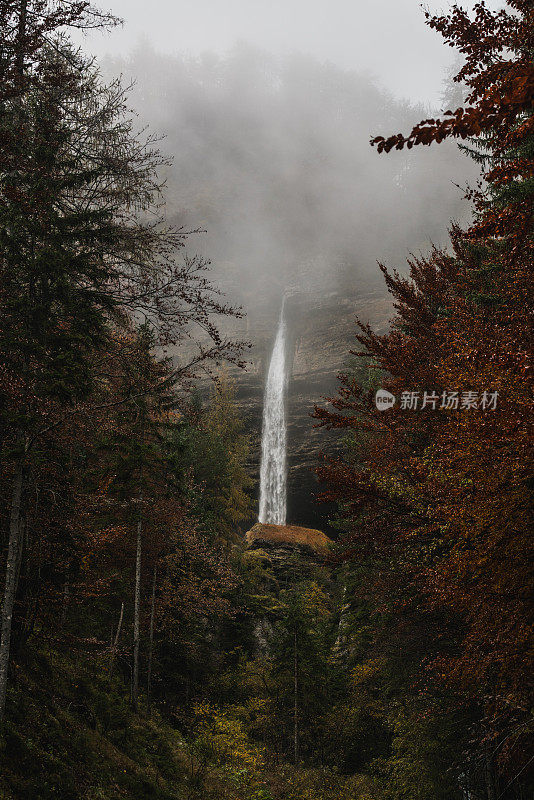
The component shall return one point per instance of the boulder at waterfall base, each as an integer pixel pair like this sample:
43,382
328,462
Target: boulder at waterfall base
263,535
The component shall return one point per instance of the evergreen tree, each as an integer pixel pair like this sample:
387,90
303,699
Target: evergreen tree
79,254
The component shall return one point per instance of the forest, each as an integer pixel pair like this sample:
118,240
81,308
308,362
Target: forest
169,629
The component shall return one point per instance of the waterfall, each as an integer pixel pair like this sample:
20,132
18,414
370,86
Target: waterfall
273,440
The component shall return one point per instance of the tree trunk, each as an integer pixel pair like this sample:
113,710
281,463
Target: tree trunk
14,548
22,536
66,597
13,551
137,605
490,777
296,707
151,640
341,639
23,14
115,642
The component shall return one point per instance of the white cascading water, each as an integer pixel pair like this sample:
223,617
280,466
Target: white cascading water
273,491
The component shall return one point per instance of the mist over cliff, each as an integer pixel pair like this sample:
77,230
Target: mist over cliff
272,159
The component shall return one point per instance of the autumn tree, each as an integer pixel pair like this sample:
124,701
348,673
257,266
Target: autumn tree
424,497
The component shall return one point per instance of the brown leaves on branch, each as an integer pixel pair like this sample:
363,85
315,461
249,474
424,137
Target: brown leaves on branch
499,72
502,86
441,500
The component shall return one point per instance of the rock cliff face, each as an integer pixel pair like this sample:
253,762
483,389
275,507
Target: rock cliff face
320,331
320,336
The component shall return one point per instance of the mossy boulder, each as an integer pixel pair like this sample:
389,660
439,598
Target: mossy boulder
266,536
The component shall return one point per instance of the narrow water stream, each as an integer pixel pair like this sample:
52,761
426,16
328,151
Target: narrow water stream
273,472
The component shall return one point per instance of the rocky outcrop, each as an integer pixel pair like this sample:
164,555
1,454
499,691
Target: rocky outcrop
287,553
310,542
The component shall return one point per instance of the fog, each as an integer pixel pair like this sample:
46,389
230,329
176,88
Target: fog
388,39
267,110
272,158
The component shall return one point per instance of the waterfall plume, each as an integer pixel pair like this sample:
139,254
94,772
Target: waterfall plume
273,479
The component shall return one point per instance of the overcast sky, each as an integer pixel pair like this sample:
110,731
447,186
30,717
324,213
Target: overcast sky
387,38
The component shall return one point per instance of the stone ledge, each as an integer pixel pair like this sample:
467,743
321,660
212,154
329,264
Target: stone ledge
287,536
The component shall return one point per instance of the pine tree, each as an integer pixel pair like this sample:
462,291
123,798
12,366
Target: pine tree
79,255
